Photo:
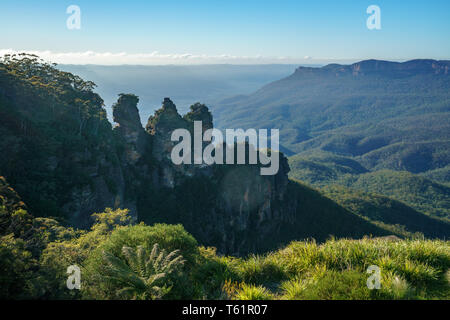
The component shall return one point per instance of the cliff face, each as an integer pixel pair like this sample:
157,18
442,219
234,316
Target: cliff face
380,68
65,160
160,126
231,207
221,205
129,128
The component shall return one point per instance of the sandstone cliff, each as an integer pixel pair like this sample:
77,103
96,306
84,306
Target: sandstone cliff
66,161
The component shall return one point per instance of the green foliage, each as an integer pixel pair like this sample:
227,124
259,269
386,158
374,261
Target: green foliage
64,252
441,175
321,168
260,269
293,289
211,272
139,275
53,127
422,194
410,269
124,262
391,119
373,194
395,216
109,219
60,146
318,214
16,265
200,112
346,127
252,292
168,237
315,215
332,285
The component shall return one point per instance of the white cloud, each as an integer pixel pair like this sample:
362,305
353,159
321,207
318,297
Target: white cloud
153,58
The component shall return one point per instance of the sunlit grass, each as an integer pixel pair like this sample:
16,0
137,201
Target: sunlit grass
337,269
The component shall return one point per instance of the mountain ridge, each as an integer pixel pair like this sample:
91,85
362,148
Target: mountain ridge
312,103
340,124
415,66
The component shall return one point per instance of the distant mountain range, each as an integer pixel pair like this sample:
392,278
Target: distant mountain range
360,126
337,107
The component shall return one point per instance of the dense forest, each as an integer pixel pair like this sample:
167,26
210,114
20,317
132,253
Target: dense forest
77,190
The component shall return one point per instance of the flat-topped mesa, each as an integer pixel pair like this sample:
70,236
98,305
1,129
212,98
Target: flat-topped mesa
380,67
408,68
126,115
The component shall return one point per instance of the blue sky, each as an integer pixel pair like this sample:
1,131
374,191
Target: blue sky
196,31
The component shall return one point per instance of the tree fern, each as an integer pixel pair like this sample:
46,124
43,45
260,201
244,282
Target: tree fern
139,274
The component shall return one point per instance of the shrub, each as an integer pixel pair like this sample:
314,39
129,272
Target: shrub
415,272
294,289
140,275
109,219
252,292
15,264
168,237
261,269
212,272
395,287
334,285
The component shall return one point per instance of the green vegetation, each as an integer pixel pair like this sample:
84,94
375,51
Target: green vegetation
380,129
124,261
441,175
53,127
73,163
389,214
66,161
420,193
385,115
337,270
399,201
140,273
